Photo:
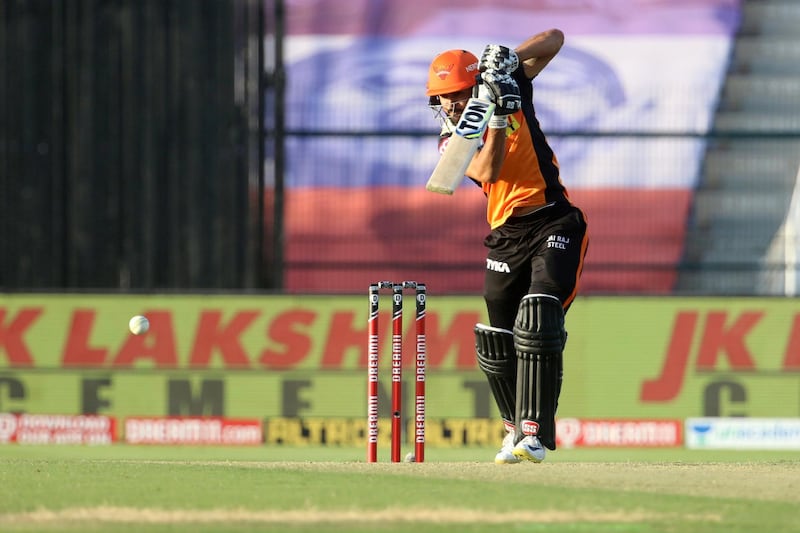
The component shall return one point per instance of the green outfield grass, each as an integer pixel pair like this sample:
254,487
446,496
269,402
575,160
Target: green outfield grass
198,489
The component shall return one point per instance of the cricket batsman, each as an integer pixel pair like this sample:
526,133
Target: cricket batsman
537,240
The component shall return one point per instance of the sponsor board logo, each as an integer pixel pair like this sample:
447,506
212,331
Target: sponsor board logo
743,433
195,431
608,433
57,429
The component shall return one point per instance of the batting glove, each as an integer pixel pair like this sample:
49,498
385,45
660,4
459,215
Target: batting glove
503,92
498,57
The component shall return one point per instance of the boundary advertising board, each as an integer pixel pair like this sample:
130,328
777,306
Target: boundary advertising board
260,357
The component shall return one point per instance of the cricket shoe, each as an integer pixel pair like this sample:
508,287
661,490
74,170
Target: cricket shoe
506,454
529,449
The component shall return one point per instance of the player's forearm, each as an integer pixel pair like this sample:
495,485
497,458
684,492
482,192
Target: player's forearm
544,44
537,51
486,164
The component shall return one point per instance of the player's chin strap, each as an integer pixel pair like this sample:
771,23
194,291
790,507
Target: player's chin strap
539,338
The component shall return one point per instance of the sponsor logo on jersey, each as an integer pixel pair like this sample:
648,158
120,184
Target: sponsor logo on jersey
557,241
497,266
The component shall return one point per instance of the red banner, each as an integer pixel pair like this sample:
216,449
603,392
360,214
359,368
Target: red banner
57,429
574,432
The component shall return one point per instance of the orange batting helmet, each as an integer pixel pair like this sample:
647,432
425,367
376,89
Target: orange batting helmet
452,71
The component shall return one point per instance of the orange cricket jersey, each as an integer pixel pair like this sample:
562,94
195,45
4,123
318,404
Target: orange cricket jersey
529,175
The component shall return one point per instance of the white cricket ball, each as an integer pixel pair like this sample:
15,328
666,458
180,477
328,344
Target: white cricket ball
410,458
139,325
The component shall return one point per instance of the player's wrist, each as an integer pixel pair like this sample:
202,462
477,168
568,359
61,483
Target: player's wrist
498,122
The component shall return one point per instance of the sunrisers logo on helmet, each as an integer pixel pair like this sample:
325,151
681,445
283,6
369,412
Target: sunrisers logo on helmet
452,71
442,71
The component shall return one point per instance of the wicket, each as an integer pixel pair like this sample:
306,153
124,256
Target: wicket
397,369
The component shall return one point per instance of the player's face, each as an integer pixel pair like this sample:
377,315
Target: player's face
453,103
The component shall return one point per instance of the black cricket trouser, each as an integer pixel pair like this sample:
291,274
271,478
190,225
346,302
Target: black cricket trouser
538,253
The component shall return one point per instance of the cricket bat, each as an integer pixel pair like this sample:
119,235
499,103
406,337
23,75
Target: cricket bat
461,146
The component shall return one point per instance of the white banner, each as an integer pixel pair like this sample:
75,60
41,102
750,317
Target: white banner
743,433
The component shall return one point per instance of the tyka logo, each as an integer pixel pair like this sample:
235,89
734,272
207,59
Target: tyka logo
497,266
